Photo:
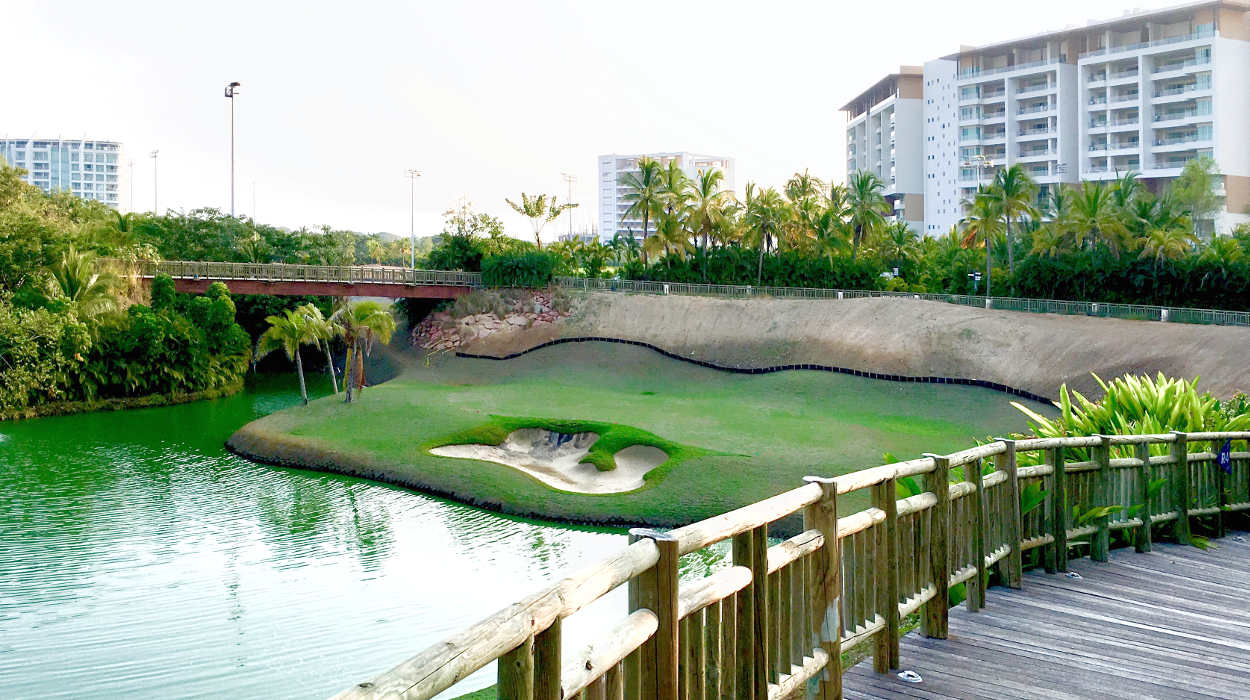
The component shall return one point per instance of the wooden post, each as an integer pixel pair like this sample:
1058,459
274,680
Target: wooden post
662,601
516,672
745,642
1221,481
614,682
976,585
886,569
641,592
1100,543
547,663
729,646
1143,494
937,610
826,594
1012,567
759,581
1180,485
1059,510
712,649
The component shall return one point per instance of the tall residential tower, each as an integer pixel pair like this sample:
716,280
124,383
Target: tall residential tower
884,135
1146,92
88,169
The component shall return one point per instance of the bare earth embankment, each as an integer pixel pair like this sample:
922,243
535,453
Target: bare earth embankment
1032,352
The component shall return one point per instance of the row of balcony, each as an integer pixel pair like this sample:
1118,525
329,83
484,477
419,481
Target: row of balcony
1201,33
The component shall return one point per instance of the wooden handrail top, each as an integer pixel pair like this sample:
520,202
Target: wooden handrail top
442,665
698,535
785,553
865,478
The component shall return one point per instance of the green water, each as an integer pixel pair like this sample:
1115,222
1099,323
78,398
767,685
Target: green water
139,558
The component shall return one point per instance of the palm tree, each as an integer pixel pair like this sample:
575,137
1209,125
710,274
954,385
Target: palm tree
1053,237
832,234
288,331
1167,244
540,209
625,247
644,192
76,278
1125,189
324,332
1016,192
982,215
362,322
899,245
764,219
707,204
1095,218
866,207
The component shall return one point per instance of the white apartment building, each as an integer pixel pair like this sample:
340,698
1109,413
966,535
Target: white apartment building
885,136
1146,92
612,204
88,169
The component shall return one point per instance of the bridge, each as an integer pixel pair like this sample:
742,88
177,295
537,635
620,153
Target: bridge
792,618
319,280
402,282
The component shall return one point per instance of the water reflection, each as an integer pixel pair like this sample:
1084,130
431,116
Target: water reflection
137,557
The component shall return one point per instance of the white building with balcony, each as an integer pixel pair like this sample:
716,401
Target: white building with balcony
885,136
1146,92
612,202
88,169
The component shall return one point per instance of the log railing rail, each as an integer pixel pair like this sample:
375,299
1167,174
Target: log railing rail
349,274
784,614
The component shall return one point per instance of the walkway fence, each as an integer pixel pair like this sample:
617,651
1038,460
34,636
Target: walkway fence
777,623
278,272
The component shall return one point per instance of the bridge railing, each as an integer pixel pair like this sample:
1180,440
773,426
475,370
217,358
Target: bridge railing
783,614
350,274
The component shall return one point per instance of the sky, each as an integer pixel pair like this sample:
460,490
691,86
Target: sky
486,99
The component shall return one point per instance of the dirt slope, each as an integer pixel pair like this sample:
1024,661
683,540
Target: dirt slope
1034,352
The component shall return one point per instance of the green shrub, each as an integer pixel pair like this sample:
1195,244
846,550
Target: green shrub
532,269
457,253
162,293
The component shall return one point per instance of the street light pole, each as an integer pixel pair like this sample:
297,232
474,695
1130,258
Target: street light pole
570,179
155,182
412,215
231,90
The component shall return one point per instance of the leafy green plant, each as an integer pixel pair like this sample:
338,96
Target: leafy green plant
531,269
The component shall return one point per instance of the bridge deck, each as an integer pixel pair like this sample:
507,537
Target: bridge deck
1174,623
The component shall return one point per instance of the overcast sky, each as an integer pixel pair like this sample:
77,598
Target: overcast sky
486,98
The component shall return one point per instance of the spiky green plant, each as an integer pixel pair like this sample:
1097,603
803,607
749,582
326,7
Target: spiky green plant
1138,405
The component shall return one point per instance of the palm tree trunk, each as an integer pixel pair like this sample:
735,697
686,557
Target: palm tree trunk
855,243
987,264
299,369
1011,255
759,270
360,366
334,381
347,373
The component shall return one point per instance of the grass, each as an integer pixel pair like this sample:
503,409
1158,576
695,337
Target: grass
737,438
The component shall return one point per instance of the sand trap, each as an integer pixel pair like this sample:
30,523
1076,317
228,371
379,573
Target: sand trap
556,460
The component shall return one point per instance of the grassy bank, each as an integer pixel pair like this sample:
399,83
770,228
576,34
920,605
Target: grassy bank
757,435
64,408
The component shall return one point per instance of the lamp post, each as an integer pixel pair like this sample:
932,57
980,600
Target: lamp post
412,216
985,164
231,90
570,179
976,281
153,154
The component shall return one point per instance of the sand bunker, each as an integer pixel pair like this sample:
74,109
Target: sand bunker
556,460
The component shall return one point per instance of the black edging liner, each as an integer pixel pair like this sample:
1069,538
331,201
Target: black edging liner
775,368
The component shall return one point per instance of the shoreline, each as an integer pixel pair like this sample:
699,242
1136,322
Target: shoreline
68,408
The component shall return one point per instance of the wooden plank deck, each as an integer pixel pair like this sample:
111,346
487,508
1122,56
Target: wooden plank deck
1174,623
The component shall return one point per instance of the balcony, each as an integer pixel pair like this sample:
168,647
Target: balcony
1036,110
975,72
1181,139
1030,89
1181,65
1174,90
1182,114
1121,75
1095,101
1204,33
1124,97
1097,77
1035,133
1125,146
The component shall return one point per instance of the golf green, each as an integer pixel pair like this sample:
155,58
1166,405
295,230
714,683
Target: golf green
735,438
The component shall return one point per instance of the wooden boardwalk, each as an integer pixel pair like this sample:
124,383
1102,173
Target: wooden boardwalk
1174,623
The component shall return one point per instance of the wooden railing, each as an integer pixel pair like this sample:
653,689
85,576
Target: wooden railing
349,274
785,614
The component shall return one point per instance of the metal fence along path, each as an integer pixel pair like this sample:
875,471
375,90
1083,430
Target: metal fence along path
378,275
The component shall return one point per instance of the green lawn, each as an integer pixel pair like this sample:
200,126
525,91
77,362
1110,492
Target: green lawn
749,436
